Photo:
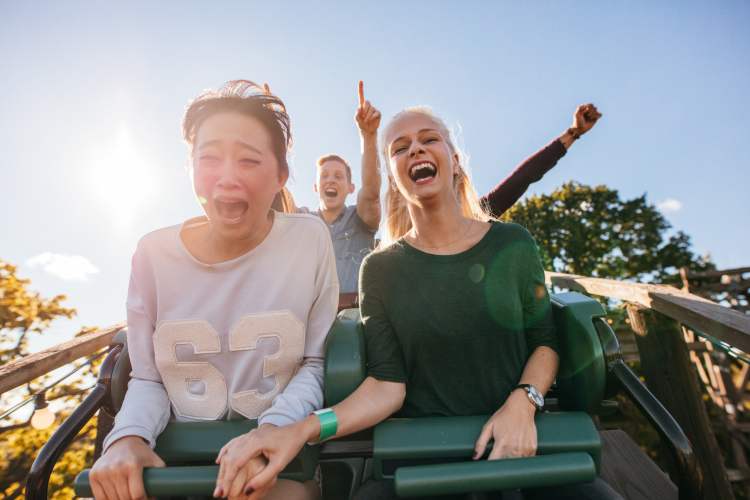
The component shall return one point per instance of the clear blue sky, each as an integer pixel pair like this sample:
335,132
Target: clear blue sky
93,94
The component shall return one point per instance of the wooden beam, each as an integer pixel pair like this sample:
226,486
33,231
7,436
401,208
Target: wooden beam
719,322
24,370
671,377
718,273
630,472
700,346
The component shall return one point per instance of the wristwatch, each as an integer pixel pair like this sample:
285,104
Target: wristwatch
535,397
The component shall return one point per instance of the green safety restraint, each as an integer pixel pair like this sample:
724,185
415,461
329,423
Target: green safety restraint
432,456
189,448
424,456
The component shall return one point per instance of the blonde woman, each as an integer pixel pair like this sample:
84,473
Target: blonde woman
456,316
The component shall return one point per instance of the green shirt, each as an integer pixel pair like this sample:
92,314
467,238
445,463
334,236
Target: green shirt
457,329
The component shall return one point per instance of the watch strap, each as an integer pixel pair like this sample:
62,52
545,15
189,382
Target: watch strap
527,388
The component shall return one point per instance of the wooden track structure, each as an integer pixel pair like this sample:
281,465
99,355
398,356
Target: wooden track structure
677,365
729,285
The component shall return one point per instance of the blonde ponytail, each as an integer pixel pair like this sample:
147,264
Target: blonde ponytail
397,221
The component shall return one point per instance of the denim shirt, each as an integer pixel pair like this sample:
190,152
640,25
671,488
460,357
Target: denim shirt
352,241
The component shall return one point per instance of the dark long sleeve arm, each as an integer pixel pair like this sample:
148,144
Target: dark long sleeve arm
510,190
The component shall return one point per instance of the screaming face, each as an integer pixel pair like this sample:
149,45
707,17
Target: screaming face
333,185
236,174
420,159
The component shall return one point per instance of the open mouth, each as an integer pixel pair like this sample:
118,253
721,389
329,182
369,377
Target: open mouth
231,211
422,172
331,192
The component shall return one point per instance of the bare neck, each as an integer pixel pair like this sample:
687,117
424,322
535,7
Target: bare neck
441,229
209,247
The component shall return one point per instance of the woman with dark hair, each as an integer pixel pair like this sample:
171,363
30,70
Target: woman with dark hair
225,320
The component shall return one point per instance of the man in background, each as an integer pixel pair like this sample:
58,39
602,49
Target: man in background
353,227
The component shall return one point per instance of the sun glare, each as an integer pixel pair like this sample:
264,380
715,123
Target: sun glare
122,180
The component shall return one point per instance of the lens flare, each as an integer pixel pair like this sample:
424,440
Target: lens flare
476,273
502,276
202,200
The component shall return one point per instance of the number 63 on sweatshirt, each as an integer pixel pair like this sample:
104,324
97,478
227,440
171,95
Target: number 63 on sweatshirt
239,339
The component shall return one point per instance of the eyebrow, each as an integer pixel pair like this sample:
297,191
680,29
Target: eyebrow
423,130
214,142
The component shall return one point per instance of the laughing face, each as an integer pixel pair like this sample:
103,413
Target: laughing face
236,175
333,185
420,160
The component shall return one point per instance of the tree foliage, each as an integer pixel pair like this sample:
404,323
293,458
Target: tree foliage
19,448
21,312
593,232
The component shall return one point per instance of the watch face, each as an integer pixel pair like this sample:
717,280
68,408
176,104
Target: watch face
536,396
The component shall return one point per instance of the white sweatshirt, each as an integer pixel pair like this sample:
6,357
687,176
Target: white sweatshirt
240,339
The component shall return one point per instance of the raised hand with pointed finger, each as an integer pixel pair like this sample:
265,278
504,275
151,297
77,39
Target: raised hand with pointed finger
367,117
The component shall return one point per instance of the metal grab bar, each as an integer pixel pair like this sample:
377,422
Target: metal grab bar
41,469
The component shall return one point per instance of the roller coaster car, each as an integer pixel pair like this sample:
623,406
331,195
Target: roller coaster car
424,457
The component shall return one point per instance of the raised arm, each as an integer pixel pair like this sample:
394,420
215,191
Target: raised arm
510,190
368,199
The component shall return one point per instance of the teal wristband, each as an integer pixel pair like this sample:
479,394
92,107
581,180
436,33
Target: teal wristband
328,424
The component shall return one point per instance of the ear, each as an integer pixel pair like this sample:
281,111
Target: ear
392,182
456,165
315,187
351,187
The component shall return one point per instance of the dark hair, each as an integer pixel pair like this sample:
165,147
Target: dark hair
337,158
247,98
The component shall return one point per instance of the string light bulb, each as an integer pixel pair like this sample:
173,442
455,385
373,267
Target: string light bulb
43,417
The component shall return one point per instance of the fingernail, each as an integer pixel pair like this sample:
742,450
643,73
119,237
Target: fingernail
217,491
249,489
475,455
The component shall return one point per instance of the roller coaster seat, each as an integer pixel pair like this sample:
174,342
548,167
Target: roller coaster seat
432,456
423,456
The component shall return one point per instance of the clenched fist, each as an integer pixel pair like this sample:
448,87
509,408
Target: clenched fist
584,118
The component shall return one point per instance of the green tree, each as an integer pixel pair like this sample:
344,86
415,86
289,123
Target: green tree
593,232
22,312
